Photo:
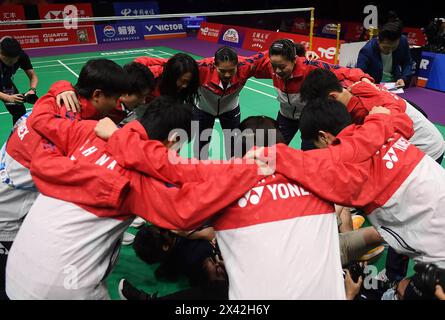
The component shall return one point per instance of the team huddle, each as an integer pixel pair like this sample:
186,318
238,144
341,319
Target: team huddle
92,156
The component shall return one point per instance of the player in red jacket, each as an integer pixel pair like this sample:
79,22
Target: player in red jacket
403,195
164,205
276,208
177,77
69,235
100,84
141,89
361,97
221,78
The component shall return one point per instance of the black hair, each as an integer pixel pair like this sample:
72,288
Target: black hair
323,115
175,67
318,84
283,47
102,74
10,47
165,114
148,243
139,78
224,54
391,31
300,49
390,16
257,127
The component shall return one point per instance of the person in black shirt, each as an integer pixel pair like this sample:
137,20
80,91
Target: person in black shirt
12,57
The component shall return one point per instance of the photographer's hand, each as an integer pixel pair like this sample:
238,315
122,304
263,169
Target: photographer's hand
15,98
439,293
352,288
400,83
30,92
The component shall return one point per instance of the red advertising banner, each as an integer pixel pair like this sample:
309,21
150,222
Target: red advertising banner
300,25
61,11
209,31
415,36
52,37
259,40
12,13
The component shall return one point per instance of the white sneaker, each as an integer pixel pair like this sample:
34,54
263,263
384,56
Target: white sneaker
137,222
128,239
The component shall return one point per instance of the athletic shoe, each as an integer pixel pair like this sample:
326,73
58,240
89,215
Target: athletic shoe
128,292
128,239
138,222
357,221
372,254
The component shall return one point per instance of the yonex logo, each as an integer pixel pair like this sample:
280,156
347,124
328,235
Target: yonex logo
391,158
280,191
253,196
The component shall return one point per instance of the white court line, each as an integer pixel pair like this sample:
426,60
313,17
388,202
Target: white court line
50,65
68,68
257,91
83,62
261,92
101,56
76,63
264,84
89,57
170,54
6,112
157,56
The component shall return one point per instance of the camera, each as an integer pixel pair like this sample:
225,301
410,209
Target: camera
30,98
427,276
356,270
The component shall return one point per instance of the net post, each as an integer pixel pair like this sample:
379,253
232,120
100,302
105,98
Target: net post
337,47
311,28
372,32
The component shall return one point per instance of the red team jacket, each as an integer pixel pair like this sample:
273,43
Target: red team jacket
213,97
81,145
265,233
399,188
183,208
69,233
156,67
289,90
18,193
365,96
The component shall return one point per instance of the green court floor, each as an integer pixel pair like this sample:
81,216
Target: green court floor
258,98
